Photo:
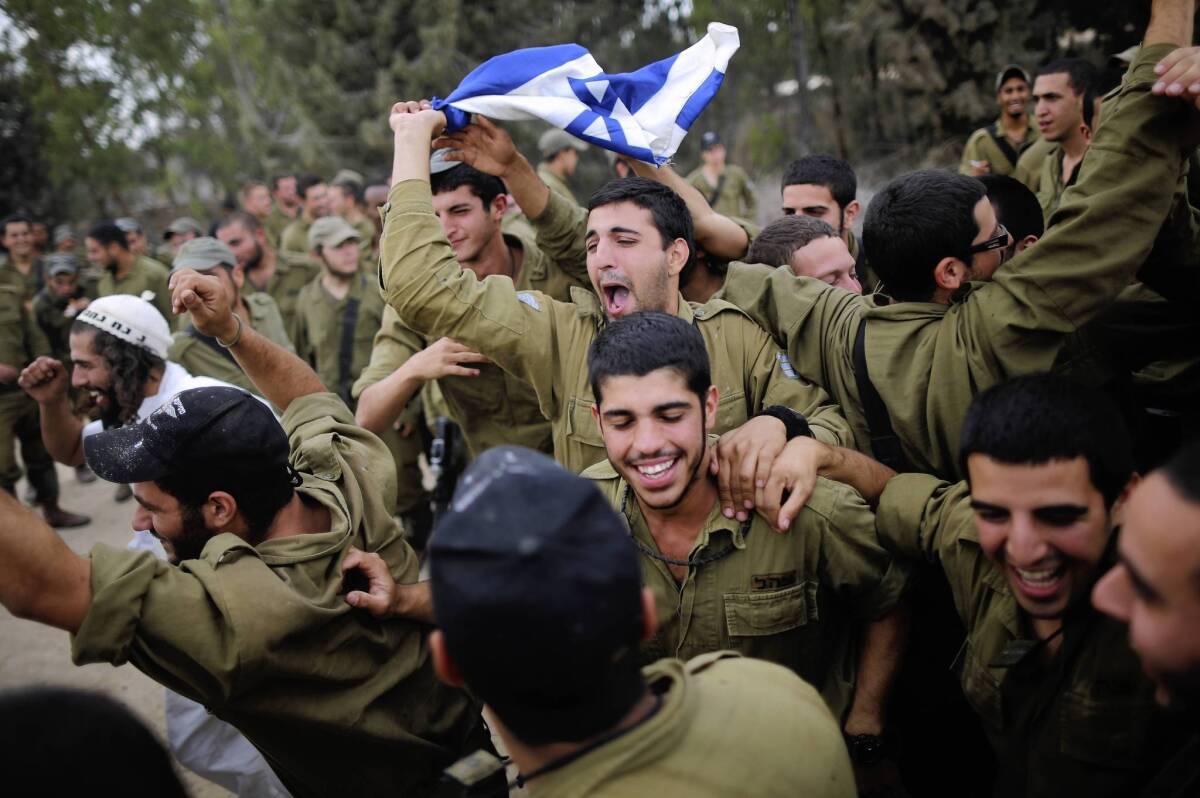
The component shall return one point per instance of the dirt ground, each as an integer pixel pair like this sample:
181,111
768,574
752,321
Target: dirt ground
32,654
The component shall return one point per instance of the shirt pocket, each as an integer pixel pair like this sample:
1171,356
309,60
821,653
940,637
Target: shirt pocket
773,612
731,411
1108,731
982,690
580,424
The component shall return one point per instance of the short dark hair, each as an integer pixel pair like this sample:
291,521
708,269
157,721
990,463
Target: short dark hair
306,182
1017,207
130,367
246,220
249,186
259,494
275,179
670,214
824,170
641,343
779,240
79,743
106,232
1040,418
1081,75
14,218
915,221
350,188
1183,471
486,187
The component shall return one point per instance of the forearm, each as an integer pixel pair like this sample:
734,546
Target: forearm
62,432
382,403
527,188
1170,22
867,476
278,374
719,236
882,647
41,579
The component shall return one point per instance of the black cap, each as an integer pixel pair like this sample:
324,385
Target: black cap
1011,71
221,427
709,140
537,590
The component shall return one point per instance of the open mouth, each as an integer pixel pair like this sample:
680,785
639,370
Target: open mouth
616,299
658,472
1040,583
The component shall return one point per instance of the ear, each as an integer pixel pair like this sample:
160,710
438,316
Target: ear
1026,242
238,275
260,236
596,411
220,511
950,274
850,213
677,257
1118,510
499,206
649,614
443,666
711,400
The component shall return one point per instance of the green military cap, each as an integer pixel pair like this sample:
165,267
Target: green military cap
184,224
128,224
555,140
1011,71
61,264
330,231
63,232
203,254
347,177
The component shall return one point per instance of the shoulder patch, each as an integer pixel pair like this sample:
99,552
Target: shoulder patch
786,365
600,471
529,299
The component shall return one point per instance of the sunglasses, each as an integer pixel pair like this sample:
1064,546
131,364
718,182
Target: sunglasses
998,241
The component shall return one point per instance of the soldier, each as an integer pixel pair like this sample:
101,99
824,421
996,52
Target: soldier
905,372
339,312
21,342
1061,694
255,199
314,196
178,233
57,304
18,240
64,240
639,240
254,624
825,187
267,270
124,271
572,706
995,149
284,210
1063,92
726,187
346,201
1154,591
203,355
560,157
809,247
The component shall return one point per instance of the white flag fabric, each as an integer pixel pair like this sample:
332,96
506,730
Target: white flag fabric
643,114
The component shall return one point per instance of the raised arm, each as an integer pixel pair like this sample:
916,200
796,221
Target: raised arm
278,374
47,381
721,237
41,579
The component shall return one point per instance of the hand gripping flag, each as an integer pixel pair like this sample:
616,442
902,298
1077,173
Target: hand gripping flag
643,114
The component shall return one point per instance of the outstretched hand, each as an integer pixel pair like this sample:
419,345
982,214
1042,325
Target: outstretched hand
483,145
384,598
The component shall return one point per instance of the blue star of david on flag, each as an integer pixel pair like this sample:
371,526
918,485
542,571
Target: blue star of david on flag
643,114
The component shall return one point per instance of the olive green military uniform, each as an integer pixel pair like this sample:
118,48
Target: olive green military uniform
1029,166
927,360
202,356
796,599
33,281
366,237
274,225
726,726
984,145
292,273
544,342
50,311
1081,721
294,239
320,325
556,183
1050,185
338,703
733,195
21,341
146,274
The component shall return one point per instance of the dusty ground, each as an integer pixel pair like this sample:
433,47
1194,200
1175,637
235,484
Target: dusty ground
31,654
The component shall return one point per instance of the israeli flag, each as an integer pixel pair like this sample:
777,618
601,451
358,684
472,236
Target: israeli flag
643,114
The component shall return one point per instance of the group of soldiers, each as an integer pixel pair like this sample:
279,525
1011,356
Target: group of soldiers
744,510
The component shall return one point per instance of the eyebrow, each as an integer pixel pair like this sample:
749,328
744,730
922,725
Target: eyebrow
1140,585
665,407
146,504
612,230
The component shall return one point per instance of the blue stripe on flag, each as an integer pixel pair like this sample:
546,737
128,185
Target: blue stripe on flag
696,103
502,74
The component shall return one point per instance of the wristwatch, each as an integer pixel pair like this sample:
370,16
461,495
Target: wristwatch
795,423
865,749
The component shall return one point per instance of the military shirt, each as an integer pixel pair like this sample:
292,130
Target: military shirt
146,274
1029,167
294,238
21,339
544,342
202,356
1083,723
927,360
556,183
318,328
54,317
796,599
982,146
495,407
737,197
274,225
1050,183
726,726
292,273
338,702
